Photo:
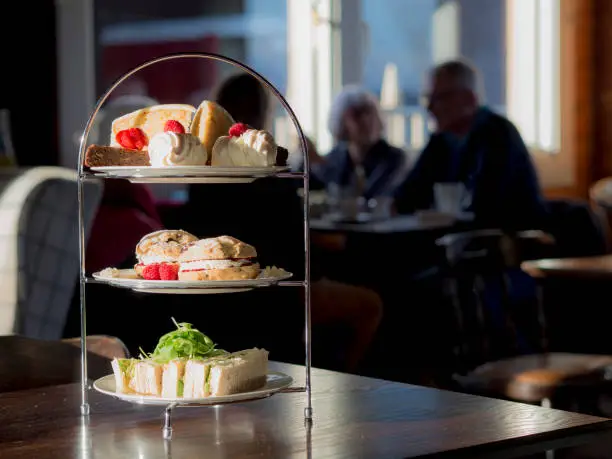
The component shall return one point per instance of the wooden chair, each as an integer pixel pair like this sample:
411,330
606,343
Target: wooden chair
535,376
102,345
600,195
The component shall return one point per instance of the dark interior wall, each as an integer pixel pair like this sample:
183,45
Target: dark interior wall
29,84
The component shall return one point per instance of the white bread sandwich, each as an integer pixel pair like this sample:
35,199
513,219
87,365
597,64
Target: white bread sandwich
218,258
157,254
226,375
172,378
196,378
123,371
152,120
137,376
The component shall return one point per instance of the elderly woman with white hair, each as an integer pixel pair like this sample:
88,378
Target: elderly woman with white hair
361,161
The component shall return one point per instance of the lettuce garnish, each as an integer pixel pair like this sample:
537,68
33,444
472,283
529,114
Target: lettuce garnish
185,342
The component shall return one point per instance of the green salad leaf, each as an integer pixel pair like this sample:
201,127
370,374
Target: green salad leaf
185,342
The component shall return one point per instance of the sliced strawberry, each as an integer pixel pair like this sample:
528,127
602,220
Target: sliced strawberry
132,138
169,271
238,129
151,272
174,126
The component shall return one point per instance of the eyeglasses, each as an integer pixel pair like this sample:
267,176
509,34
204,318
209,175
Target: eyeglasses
427,99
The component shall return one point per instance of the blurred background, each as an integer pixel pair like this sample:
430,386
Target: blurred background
526,51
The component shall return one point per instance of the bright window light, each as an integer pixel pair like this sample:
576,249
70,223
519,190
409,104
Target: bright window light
533,68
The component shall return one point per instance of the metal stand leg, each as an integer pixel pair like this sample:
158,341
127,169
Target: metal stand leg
309,440
82,279
84,398
167,430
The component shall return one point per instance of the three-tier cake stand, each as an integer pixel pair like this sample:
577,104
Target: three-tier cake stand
207,174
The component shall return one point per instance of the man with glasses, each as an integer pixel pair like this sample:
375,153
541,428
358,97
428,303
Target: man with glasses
476,149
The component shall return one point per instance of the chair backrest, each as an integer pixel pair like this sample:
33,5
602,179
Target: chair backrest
39,245
578,230
495,305
600,194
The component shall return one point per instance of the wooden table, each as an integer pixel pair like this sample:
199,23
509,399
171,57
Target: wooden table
598,267
353,417
27,363
424,221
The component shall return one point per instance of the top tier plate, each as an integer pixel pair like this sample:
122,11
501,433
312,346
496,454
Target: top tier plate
192,174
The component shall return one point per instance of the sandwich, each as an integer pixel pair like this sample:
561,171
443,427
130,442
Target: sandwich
186,363
218,258
210,122
157,254
172,378
226,375
134,376
152,120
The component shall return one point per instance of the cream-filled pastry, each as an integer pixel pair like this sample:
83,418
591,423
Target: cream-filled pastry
244,147
176,149
218,258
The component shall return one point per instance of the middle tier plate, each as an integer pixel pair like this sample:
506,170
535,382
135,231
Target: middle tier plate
127,279
188,174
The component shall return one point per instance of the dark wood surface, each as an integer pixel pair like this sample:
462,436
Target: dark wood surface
597,267
532,378
354,417
27,363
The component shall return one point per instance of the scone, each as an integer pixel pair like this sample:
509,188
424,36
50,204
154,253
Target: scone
152,120
218,258
158,252
210,122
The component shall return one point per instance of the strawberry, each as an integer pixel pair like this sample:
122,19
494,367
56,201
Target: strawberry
151,272
174,126
238,129
132,138
169,271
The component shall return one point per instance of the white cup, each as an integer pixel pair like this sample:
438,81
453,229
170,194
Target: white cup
450,198
380,207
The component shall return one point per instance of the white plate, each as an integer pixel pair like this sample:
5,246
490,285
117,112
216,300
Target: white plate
275,382
127,279
189,174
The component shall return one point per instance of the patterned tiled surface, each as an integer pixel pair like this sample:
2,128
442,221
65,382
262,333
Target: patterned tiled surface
39,248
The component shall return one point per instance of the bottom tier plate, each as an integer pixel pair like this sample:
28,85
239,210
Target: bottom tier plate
275,382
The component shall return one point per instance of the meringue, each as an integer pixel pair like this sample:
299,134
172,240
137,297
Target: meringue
174,149
254,148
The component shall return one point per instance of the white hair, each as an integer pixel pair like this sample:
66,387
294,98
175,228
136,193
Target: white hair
350,97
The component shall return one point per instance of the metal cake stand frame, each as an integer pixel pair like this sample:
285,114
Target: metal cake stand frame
84,175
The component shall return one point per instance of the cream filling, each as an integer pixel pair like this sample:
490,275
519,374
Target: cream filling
173,149
200,265
252,149
150,259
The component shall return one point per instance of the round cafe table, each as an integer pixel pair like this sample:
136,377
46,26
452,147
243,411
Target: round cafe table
422,221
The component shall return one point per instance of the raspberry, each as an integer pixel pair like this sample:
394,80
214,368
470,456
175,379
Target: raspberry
174,126
151,272
238,129
168,271
132,138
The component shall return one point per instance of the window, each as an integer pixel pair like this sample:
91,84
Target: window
533,68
